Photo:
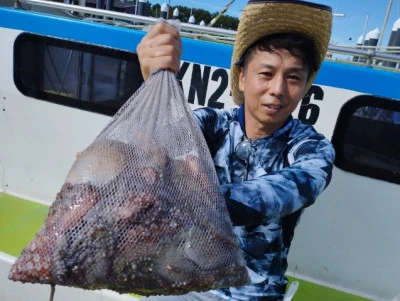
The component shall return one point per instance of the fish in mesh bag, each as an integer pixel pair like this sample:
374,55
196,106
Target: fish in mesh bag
141,209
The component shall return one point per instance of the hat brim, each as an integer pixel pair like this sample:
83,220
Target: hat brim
262,18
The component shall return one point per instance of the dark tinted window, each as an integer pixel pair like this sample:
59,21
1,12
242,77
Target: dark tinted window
84,76
367,138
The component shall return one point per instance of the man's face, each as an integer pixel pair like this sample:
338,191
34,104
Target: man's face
273,84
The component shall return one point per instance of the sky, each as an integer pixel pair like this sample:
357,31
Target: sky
346,30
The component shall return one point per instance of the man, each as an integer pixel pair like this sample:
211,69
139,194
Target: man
270,165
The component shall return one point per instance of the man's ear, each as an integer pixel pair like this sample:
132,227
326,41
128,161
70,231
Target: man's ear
242,77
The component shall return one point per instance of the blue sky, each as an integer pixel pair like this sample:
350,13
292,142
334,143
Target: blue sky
349,26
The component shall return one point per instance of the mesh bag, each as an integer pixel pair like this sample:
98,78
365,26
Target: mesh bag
140,210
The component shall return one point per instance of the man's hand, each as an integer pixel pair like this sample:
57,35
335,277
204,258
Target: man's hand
161,48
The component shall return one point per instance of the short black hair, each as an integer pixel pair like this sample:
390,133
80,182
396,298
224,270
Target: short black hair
297,45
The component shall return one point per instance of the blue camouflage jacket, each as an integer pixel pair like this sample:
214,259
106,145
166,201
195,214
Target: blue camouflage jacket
286,172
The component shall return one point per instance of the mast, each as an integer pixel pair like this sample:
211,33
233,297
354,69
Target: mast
384,24
365,27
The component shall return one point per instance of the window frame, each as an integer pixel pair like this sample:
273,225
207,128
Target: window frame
340,130
95,107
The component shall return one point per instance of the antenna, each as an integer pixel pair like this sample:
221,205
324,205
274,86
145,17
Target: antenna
226,7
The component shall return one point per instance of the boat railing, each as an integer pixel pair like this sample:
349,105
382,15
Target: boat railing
103,14
377,57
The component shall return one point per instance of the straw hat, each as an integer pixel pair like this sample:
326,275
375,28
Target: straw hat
261,18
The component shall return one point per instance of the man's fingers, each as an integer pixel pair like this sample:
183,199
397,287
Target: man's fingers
162,28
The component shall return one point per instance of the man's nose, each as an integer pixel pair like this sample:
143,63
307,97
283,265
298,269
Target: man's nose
277,85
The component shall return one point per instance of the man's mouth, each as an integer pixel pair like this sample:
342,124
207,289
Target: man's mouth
273,107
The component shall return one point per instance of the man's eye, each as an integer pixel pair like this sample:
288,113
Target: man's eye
269,74
294,77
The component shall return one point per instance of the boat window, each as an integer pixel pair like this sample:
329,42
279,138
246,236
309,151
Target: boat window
74,74
367,138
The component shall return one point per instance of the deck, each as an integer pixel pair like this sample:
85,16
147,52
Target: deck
20,219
